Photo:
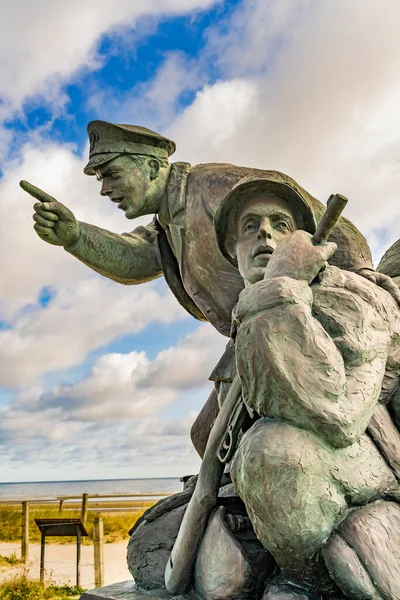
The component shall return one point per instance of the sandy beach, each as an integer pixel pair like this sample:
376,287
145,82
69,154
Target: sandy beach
60,563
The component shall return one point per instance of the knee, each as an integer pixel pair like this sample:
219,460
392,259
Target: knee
271,445
282,475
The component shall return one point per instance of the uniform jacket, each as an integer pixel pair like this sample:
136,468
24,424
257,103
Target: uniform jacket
203,281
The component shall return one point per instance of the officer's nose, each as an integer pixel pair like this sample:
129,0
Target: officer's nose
105,188
264,231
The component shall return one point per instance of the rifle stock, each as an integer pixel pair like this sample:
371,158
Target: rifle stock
179,569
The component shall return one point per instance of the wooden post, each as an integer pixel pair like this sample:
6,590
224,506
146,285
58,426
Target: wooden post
78,557
60,508
25,532
98,548
42,546
84,509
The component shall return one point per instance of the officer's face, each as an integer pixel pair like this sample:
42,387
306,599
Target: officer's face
126,183
262,222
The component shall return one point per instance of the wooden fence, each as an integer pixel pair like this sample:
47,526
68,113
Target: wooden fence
86,502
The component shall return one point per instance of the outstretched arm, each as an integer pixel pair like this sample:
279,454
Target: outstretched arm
128,258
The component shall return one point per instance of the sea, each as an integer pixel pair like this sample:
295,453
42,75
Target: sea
38,490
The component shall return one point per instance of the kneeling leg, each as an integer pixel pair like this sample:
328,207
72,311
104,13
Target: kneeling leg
282,475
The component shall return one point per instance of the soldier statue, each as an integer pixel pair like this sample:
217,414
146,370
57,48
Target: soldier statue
318,365
132,164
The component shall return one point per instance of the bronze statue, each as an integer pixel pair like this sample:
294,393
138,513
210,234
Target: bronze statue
132,164
300,513
317,355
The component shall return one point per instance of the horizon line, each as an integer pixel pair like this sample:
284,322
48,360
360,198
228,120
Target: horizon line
89,480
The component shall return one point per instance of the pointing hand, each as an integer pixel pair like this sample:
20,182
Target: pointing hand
54,222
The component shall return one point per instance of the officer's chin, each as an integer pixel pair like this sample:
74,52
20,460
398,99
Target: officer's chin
132,213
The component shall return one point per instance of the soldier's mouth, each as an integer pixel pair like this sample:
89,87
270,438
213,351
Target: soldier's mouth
262,250
118,201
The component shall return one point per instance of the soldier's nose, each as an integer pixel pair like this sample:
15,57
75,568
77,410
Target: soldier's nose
105,188
264,231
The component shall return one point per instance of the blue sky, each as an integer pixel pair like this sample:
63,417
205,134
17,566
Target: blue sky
296,86
127,61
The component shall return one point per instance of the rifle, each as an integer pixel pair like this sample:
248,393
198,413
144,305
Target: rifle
220,448
179,569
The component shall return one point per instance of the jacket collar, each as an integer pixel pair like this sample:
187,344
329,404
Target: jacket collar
175,199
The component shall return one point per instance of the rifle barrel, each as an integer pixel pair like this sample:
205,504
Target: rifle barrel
334,208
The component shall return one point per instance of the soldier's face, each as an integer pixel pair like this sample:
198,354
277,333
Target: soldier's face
262,222
126,183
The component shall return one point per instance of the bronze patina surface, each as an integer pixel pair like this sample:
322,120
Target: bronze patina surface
306,404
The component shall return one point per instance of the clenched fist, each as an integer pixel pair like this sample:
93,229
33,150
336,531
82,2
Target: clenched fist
296,256
54,222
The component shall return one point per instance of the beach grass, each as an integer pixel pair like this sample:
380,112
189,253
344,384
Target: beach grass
9,561
116,524
21,587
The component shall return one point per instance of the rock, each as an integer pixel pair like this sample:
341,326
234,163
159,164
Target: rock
150,546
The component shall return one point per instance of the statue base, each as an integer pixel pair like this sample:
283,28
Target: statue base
125,590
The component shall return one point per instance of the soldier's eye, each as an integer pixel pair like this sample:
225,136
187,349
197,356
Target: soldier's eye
282,225
250,226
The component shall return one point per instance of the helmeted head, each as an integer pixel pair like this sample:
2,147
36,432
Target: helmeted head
129,160
254,216
390,261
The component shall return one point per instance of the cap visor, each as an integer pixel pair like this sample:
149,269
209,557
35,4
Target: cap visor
97,160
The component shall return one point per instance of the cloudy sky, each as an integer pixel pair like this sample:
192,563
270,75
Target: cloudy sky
99,380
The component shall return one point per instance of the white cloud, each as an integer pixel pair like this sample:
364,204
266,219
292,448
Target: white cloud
30,263
47,44
113,414
156,101
312,93
43,43
111,392
206,131
88,311
249,41
190,364
78,320
132,445
130,386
